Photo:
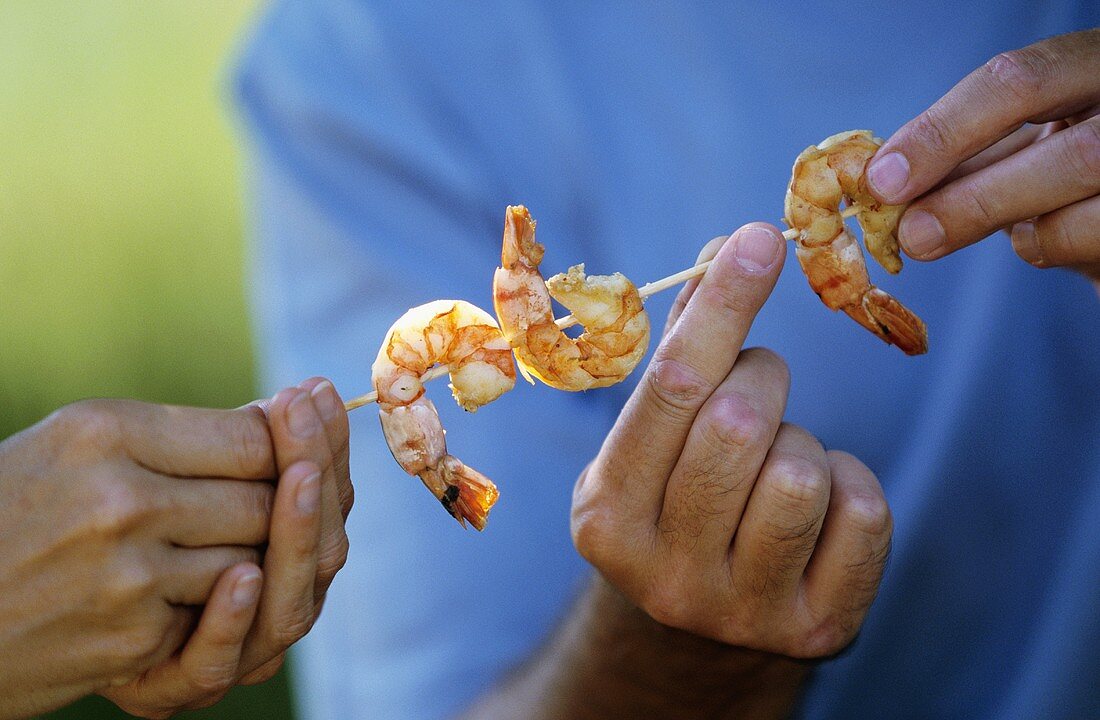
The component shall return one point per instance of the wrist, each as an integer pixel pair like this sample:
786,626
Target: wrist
610,659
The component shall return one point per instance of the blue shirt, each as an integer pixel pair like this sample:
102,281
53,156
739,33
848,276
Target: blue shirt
387,139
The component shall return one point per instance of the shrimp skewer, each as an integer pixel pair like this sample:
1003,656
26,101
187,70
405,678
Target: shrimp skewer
823,176
465,342
616,334
644,292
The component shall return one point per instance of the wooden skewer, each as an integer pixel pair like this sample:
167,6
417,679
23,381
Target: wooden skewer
568,321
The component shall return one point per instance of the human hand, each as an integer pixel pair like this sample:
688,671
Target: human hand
234,643
707,511
109,539
1015,144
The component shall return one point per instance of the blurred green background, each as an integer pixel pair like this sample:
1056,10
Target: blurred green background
120,222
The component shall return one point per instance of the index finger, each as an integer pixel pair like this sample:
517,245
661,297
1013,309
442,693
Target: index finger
693,359
198,442
1045,81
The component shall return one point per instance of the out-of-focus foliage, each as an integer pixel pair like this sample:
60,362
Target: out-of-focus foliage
120,225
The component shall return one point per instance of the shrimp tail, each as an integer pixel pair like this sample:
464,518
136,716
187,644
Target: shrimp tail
464,492
882,314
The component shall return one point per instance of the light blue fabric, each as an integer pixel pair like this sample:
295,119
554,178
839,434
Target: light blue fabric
387,139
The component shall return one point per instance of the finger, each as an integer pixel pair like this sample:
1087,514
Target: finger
785,511
300,434
1043,177
180,623
846,569
197,442
712,480
196,570
706,254
1045,81
265,672
692,360
1013,143
175,624
335,418
207,666
1067,236
290,567
203,513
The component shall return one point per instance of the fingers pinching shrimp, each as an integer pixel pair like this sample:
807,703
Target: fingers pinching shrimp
823,176
608,306
466,340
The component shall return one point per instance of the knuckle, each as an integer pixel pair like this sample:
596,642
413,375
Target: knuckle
933,133
825,638
1057,240
668,604
728,297
129,583
736,423
678,388
265,672
251,445
333,558
798,481
262,500
1084,147
88,423
1021,74
592,528
138,647
347,497
293,628
986,214
214,680
116,508
870,515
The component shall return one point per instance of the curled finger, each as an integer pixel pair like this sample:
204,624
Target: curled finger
1067,236
1049,80
287,601
1055,172
844,576
782,520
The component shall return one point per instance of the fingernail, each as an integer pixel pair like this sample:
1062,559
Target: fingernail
888,175
1025,243
920,233
302,417
247,590
326,401
309,494
756,249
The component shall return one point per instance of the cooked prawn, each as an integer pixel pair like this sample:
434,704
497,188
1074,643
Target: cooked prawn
616,327
823,175
466,340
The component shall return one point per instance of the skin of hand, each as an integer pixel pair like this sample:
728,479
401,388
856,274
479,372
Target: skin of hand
242,636
122,518
1016,144
730,546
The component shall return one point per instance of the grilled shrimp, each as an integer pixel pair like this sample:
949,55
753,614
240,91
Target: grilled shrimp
823,175
467,340
616,327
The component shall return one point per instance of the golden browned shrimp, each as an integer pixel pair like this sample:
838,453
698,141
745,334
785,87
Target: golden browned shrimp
824,175
468,342
608,306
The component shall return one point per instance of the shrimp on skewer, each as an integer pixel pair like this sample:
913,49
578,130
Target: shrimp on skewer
466,340
608,306
823,175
